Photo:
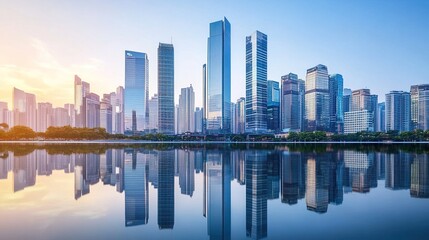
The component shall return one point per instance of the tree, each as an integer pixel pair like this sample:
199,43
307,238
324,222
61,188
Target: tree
21,132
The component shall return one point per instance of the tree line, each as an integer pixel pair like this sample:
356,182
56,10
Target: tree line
73,133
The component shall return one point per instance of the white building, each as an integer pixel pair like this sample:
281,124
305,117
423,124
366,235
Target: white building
358,121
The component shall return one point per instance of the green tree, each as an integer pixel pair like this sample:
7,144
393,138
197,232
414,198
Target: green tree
21,132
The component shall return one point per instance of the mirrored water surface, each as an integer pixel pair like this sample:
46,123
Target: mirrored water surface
214,191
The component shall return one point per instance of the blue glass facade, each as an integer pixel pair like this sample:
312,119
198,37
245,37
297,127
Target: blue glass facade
273,106
136,90
256,82
336,102
218,81
166,88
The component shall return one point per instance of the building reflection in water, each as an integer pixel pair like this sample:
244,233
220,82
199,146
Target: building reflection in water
136,169
317,184
166,160
420,176
256,194
292,178
217,191
321,178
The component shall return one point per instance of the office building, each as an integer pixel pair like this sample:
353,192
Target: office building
317,98
291,103
420,106
153,113
136,93
91,111
117,102
358,121
198,116
81,89
398,111
166,88
381,123
347,96
256,83
44,116
106,112
240,116
217,85
273,106
24,109
336,103
186,110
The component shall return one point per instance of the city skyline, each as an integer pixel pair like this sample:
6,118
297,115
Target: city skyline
38,57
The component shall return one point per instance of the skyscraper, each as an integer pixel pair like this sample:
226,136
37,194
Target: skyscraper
186,110
81,89
117,102
44,116
166,88
362,113
398,111
24,109
336,103
198,116
420,106
256,82
291,103
153,113
136,90
91,111
218,80
106,113
381,116
317,98
273,106
240,116
347,93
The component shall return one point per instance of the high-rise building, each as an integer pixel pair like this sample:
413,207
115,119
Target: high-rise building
347,93
106,113
398,111
273,106
420,106
24,109
381,123
60,117
153,113
358,121
317,98
166,88
256,82
291,103
91,110
336,103
217,87
117,102
198,116
72,113
186,110
136,93
240,116
363,110
3,112
81,89
44,116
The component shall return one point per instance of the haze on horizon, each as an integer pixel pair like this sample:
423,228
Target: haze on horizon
380,45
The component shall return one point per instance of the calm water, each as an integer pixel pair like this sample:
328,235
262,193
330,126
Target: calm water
212,191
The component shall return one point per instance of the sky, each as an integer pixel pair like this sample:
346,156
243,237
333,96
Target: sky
378,44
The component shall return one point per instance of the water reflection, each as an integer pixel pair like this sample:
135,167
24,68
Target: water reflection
280,174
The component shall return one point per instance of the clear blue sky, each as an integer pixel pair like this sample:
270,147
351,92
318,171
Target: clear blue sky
381,45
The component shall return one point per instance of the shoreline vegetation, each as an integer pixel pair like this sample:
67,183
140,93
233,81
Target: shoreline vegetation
67,133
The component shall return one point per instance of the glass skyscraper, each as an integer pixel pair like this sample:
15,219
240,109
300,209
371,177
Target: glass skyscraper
166,88
317,98
420,106
217,85
336,103
256,82
398,111
291,103
273,106
136,91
